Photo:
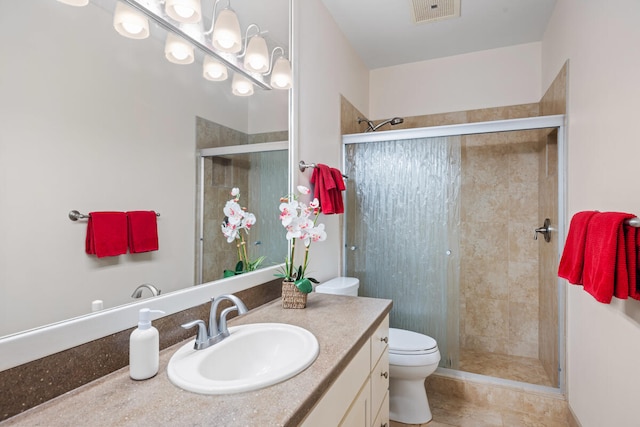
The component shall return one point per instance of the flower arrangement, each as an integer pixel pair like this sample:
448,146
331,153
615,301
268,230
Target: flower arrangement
300,222
235,221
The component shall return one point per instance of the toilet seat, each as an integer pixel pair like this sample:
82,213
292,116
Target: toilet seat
403,342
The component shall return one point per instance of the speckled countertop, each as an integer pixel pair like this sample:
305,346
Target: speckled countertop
341,324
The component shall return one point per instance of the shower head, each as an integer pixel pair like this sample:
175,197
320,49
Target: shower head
368,122
394,121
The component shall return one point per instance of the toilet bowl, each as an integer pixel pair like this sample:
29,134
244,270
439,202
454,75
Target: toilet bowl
412,358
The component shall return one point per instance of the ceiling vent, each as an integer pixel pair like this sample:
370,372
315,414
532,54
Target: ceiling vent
434,10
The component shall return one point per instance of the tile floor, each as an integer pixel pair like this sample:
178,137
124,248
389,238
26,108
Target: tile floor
524,369
455,412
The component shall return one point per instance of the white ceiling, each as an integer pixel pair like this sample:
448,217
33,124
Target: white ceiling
383,34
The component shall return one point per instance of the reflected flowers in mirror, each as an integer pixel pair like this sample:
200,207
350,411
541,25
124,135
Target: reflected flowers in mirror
235,227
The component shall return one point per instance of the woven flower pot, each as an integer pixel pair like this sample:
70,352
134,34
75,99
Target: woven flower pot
292,297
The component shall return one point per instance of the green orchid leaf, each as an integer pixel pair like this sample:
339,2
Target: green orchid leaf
304,285
313,280
239,267
228,273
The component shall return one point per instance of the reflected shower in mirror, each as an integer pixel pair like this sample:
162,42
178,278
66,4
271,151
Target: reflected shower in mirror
94,121
260,181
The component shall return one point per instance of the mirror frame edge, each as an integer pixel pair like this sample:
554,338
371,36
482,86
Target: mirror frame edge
30,345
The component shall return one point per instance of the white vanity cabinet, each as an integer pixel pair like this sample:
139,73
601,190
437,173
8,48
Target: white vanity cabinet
360,395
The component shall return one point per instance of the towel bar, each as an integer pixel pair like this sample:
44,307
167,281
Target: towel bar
74,215
633,222
302,166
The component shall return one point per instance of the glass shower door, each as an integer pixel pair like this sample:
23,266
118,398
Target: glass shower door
402,217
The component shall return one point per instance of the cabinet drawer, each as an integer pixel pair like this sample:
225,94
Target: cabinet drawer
379,383
358,415
382,419
379,341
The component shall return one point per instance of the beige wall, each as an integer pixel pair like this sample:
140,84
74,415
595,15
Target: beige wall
491,78
327,68
603,341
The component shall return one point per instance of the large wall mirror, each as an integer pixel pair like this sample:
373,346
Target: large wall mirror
93,121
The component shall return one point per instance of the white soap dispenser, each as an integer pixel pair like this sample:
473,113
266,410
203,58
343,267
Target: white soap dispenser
144,347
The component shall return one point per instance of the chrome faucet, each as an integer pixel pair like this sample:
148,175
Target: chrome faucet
138,292
217,329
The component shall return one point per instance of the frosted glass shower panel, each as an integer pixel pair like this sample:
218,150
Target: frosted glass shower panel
402,216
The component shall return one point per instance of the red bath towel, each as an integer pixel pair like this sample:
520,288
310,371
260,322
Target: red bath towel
106,234
328,185
572,261
605,257
143,231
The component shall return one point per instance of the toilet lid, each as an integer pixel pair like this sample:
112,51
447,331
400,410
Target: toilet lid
402,341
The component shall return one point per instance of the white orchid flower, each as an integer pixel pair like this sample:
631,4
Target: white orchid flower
229,231
288,211
317,234
303,190
234,212
315,204
235,191
248,221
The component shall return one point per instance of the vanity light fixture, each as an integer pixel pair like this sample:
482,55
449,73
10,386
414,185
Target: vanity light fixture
256,53
185,11
241,86
281,71
75,2
182,19
214,70
226,34
177,50
130,23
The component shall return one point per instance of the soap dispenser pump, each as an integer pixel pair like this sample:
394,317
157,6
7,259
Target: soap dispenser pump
144,347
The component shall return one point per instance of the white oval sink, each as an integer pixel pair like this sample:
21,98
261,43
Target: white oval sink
252,357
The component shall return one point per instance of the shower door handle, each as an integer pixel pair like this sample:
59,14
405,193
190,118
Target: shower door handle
545,230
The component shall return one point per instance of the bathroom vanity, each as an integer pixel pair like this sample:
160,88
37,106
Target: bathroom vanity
350,368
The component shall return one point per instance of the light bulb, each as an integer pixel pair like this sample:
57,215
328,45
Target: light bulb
177,50
256,58
213,70
281,74
185,11
130,23
226,32
241,86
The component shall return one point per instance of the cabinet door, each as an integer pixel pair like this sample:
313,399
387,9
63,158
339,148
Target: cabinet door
358,415
382,420
379,341
379,383
336,401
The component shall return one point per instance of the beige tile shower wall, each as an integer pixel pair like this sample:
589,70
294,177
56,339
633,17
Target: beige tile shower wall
499,258
220,175
553,102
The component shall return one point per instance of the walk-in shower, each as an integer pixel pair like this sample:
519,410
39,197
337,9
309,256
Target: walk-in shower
442,220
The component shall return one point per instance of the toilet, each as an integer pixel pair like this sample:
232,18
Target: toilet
412,358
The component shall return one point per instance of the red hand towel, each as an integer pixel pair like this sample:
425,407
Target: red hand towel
336,194
106,234
572,261
143,231
322,180
634,285
631,245
605,258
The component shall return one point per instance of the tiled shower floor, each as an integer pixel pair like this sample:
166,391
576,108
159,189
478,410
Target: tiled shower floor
525,369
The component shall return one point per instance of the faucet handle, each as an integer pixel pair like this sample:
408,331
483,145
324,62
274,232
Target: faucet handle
201,337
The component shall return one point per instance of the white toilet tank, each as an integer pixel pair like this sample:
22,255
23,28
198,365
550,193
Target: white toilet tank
340,286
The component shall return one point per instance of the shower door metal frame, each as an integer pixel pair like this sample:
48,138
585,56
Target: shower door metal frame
529,123
204,153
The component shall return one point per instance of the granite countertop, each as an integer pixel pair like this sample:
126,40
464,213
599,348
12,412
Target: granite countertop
341,324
